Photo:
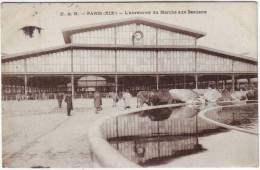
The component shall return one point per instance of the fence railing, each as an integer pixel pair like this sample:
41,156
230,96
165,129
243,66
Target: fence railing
135,137
103,153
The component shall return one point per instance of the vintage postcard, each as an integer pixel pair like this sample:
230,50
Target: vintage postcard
129,84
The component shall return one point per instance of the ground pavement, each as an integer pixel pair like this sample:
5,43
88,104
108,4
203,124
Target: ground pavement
37,133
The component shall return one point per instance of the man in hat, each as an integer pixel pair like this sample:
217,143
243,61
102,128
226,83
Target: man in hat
68,100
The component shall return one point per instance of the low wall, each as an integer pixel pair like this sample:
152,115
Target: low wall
103,154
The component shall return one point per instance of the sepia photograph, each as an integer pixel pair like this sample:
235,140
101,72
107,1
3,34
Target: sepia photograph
129,84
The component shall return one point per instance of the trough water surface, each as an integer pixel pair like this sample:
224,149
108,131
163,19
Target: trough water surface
157,136
244,116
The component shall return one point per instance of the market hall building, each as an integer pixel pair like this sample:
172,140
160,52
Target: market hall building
135,54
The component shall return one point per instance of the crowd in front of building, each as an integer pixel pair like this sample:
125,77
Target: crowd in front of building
212,94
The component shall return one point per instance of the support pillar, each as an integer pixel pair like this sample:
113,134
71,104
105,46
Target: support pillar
25,85
157,82
196,81
237,84
116,83
233,82
224,84
72,86
184,81
249,81
216,82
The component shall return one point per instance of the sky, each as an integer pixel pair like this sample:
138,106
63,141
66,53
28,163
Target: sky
230,26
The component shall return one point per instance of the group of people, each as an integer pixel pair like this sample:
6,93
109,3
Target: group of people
34,96
125,96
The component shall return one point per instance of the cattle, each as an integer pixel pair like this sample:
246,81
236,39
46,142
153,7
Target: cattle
212,95
225,96
154,98
143,97
239,95
252,94
161,97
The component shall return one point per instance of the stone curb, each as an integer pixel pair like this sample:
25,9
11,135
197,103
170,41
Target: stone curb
104,153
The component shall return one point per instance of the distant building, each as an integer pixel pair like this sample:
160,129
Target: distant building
135,54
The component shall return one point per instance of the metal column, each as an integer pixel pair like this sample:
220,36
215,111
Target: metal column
157,81
25,85
233,82
249,81
116,83
224,84
72,76
216,82
184,81
237,84
72,86
196,81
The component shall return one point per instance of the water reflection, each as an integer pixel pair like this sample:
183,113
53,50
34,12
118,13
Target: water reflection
155,136
165,113
240,116
159,135
156,150
153,115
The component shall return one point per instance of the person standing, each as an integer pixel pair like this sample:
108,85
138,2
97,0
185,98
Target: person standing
68,100
97,101
59,98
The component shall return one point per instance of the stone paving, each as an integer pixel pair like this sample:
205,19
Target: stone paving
37,133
